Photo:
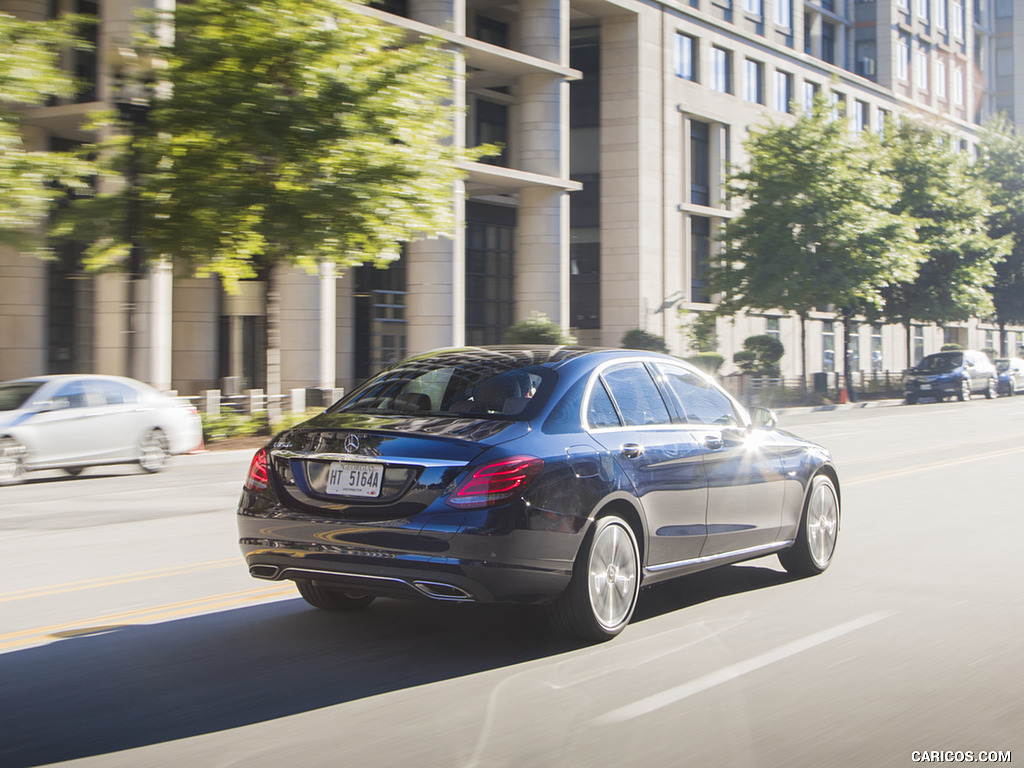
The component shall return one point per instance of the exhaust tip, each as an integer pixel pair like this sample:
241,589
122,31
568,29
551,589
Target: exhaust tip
439,591
264,571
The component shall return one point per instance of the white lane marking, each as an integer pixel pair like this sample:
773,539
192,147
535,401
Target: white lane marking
733,671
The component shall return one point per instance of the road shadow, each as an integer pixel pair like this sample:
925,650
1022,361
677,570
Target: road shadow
98,690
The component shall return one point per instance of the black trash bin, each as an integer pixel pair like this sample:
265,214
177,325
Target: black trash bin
821,382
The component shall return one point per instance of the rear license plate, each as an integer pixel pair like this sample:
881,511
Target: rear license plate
926,386
352,479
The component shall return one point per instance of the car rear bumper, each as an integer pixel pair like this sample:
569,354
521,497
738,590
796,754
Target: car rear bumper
410,561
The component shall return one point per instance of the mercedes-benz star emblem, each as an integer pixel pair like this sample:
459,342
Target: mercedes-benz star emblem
352,443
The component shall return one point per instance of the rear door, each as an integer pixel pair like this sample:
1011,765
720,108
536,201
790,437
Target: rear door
744,472
628,416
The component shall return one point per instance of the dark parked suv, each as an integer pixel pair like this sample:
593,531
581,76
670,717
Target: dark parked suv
959,374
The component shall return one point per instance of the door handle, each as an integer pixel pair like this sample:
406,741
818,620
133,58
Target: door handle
714,442
632,450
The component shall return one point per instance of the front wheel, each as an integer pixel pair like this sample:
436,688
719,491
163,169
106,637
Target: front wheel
599,601
819,528
991,393
331,599
154,451
965,391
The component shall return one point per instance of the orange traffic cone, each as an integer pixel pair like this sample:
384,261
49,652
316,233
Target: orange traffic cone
843,397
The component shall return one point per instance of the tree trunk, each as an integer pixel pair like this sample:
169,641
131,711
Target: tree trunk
847,373
910,343
1003,350
803,352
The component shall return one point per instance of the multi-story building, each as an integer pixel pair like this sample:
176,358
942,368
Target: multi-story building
618,120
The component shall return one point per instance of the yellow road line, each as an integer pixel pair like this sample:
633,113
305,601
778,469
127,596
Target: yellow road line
99,624
158,573
927,467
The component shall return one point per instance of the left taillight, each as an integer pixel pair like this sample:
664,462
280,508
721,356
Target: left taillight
257,479
496,482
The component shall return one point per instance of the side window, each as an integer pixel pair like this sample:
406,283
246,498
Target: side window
636,395
698,399
78,394
117,393
600,411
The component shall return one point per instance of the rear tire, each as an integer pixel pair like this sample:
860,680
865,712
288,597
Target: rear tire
815,542
600,599
330,598
12,461
154,451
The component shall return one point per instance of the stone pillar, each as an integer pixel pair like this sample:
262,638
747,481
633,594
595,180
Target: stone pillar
328,338
542,263
157,342
436,282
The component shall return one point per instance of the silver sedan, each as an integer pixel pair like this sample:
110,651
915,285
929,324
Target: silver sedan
72,422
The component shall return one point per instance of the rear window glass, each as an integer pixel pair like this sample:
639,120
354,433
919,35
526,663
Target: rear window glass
454,385
14,394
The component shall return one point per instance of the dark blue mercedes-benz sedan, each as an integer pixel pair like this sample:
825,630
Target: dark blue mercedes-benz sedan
561,476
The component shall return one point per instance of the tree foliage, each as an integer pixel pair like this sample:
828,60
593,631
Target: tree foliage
940,192
760,354
1001,166
817,229
31,181
640,339
537,329
286,132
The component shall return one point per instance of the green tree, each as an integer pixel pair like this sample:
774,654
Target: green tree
760,355
31,182
286,132
943,196
1001,166
640,339
537,329
816,230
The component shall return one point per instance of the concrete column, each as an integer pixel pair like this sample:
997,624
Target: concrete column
436,280
446,14
544,29
328,310
157,342
542,255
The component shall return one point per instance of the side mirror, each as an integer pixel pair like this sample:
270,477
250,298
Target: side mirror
46,406
763,418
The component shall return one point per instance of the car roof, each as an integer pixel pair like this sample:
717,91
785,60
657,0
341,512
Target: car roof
51,377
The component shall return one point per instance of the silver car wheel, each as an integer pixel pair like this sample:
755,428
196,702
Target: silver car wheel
613,569
12,467
154,451
822,525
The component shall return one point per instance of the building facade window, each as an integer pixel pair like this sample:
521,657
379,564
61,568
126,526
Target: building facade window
861,119
828,42
753,81
922,9
877,358
853,348
921,67
754,7
685,57
941,14
903,58
828,346
783,91
700,257
700,162
958,86
810,94
958,18
490,272
940,78
721,70
881,121
784,13
773,328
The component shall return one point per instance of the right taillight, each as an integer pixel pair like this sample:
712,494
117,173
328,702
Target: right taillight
496,482
257,479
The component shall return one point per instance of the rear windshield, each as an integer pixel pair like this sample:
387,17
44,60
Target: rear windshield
14,394
453,386
1002,365
942,362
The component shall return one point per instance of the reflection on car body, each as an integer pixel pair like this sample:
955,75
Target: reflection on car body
72,422
560,476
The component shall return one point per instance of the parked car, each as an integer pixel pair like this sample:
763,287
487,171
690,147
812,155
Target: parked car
1011,375
561,476
71,422
954,373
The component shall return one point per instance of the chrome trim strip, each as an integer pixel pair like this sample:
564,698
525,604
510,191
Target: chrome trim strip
359,458
420,586
765,548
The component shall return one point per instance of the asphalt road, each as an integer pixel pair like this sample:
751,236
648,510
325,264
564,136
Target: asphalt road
131,635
